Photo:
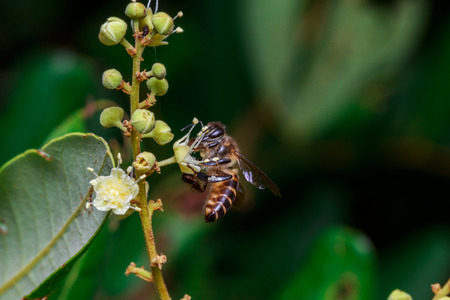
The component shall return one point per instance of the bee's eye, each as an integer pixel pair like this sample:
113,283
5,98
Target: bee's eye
216,133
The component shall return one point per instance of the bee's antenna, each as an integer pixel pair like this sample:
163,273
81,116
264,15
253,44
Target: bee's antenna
186,127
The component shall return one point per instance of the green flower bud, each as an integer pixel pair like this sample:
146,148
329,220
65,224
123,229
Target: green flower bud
143,120
112,31
157,87
163,23
111,79
144,162
161,133
112,116
145,24
136,10
159,71
399,295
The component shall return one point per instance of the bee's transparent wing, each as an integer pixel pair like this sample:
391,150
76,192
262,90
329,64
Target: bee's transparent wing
255,175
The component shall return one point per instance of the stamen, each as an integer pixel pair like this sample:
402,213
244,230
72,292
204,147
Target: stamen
156,8
140,178
119,160
185,139
135,208
177,30
129,170
92,171
198,139
179,15
195,121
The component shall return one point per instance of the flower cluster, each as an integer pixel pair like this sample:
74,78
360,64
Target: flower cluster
116,191
123,191
149,29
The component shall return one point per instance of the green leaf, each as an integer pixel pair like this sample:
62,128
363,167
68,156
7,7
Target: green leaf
341,266
42,199
84,279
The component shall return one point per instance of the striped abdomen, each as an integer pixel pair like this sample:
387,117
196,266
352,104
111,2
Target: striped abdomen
221,198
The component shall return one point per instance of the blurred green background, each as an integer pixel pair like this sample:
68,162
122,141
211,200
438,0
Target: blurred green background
345,104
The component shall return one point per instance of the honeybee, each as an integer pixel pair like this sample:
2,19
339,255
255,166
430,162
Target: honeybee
220,164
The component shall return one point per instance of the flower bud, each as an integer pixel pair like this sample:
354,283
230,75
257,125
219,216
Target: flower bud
159,70
111,79
144,162
112,31
147,21
157,87
112,116
161,133
399,295
143,120
136,10
163,23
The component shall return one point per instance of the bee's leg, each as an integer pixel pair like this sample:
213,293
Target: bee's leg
219,176
204,148
202,176
192,180
213,144
215,162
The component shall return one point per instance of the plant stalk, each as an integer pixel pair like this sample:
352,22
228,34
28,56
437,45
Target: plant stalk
145,216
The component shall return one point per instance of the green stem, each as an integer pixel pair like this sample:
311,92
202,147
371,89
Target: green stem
130,49
167,162
145,216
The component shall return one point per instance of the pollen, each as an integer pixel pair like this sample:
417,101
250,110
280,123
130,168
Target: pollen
115,191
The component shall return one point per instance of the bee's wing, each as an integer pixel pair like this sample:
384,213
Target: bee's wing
255,175
240,197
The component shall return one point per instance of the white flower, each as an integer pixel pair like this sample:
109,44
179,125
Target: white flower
114,191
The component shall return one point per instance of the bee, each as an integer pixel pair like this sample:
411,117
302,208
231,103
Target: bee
221,162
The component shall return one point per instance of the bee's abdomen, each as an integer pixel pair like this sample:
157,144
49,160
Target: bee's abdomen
221,198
